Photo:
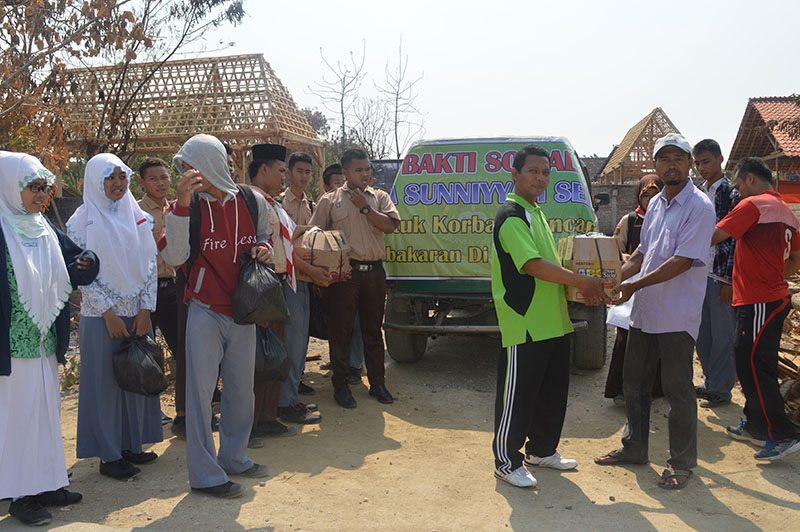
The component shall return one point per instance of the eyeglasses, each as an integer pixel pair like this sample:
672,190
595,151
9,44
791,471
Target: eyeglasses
35,188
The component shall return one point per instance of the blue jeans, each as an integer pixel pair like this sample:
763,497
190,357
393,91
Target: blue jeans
715,342
296,340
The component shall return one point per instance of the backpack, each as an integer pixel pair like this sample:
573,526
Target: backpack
195,220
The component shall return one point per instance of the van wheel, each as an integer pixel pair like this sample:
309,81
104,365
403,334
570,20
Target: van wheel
403,347
589,346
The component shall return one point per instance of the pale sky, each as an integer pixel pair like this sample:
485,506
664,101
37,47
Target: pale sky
586,70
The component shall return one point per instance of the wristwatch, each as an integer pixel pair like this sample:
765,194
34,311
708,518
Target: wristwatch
365,209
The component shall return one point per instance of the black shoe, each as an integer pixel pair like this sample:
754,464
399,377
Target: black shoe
59,497
382,394
305,389
273,429
214,423
345,397
254,471
298,413
179,427
139,458
326,366
30,511
229,490
355,376
119,469
701,392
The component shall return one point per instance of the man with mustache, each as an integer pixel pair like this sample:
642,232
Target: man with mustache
666,313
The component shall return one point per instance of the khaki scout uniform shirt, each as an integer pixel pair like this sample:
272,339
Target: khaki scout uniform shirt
159,213
299,211
335,211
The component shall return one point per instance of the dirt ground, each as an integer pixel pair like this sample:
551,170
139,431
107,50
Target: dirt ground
425,463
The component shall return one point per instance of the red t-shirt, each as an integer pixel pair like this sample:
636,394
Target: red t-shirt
764,228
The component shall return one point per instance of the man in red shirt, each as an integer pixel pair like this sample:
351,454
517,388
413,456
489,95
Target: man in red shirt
767,251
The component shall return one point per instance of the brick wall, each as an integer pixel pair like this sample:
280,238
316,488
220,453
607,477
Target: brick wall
623,200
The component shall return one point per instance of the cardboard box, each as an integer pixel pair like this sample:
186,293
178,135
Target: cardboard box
329,250
592,254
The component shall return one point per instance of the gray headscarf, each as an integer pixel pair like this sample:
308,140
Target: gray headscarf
206,154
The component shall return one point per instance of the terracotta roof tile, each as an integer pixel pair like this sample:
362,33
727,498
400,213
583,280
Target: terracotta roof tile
778,109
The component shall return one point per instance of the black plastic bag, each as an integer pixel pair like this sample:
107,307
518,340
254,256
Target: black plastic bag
259,295
272,359
318,315
138,363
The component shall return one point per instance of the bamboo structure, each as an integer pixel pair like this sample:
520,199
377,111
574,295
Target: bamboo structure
238,99
633,157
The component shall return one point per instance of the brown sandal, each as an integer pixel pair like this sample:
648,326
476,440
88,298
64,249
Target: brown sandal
681,479
614,457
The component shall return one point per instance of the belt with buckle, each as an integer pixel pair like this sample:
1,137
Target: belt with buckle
364,266
166,282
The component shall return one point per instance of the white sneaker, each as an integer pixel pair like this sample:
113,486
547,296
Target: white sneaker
520,477
554,461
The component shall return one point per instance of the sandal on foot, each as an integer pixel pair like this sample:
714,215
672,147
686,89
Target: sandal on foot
615,457
681,479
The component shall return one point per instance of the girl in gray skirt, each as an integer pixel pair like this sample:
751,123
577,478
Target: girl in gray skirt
112,423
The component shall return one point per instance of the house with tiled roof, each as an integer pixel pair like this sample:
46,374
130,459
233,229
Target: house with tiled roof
769,130
633,157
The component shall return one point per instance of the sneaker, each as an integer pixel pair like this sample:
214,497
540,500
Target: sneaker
29,511
139,458
775,449
229,490
119,469
298,413
254,471
273,429
520,478
554,461
179,427
344,397
305,389
59,497
310,406
619,400
255,442
380,392
713,400
742,433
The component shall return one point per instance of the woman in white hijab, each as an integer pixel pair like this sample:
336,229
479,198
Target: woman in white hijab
39,268
112,423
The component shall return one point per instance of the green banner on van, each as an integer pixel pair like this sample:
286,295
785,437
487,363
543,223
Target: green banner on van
448,192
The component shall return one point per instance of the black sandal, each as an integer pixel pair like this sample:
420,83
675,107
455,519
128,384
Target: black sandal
677,474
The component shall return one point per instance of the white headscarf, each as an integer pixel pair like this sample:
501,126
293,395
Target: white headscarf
42,280
119,232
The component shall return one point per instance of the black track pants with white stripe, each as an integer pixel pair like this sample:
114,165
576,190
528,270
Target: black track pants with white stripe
532,387
758,336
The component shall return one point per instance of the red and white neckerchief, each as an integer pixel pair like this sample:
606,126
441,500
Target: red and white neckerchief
287,230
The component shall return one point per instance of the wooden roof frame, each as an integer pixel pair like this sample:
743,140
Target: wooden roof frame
238,99
633,157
